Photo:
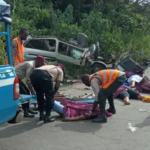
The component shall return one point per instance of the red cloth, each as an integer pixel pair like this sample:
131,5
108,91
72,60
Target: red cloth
41,59
62,67
74,109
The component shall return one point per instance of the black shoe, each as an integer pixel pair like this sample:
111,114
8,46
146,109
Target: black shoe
32,112
113,111
48,119
28,115
100,120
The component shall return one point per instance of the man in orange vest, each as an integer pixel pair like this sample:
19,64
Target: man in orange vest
104,83
18,48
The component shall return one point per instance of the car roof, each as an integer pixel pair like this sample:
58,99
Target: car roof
42,37
52,37
48,37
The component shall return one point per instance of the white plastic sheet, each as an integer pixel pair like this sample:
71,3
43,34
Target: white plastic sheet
131,128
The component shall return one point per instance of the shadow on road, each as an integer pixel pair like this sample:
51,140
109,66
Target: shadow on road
81,126
16,129
145,123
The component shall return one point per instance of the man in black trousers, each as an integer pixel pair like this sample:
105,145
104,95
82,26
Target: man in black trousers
42,80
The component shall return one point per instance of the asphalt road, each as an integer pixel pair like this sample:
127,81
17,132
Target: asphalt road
82,135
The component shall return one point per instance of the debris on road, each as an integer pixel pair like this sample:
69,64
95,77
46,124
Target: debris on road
142,110
130,127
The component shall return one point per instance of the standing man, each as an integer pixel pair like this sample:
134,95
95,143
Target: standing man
18,48
42,80
104,84
23,70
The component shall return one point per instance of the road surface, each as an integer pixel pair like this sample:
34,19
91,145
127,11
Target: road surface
82,135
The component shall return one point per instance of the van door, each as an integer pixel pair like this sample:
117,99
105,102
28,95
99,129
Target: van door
8,106
69,54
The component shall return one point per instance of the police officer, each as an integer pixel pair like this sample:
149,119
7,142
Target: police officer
42,80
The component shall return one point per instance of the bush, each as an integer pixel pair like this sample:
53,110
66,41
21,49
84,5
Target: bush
2,53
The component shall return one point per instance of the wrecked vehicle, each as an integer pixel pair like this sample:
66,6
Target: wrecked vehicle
136,63
73,52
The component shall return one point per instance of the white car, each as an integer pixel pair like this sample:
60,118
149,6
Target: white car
52,49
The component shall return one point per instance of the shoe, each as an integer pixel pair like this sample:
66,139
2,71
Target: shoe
32,112
102,118
126,102
48,119
28,115
113,111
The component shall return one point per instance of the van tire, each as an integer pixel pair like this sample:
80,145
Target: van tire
97,67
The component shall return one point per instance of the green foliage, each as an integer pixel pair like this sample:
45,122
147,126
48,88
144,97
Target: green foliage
118,25
2,53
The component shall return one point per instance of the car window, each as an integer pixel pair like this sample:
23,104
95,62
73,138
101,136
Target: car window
49,45
74,52
62,48
42,44
35,44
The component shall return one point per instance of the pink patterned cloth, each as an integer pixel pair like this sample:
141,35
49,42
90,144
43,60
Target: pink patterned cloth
119,90
144,85
74,109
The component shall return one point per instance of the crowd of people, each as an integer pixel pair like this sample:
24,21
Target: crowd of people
106,84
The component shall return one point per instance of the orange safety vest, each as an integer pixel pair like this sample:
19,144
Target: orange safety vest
107,76
19,57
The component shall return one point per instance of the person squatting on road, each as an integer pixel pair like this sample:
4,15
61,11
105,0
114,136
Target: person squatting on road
104,84
42,80
23,70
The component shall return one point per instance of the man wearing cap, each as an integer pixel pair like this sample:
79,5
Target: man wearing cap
23,70
42,79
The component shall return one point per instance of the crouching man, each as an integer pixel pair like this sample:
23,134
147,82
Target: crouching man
104,83
42,80
23,71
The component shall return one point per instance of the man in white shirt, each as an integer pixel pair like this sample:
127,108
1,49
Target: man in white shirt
42,80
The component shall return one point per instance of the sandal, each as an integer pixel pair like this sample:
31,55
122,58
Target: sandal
146,99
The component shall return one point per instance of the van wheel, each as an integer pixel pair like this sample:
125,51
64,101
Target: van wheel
97,67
